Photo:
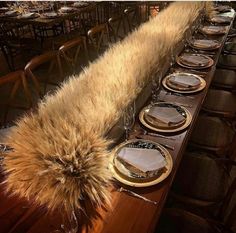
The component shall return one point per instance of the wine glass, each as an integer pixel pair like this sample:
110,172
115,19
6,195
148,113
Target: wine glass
129,119
156,87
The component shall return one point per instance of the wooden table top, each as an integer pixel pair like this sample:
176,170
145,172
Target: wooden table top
127,214
42,21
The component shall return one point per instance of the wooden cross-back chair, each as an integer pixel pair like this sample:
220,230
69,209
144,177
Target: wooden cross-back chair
40,70
218,138
132,18
99,38
12,84
116,26
69,52
224,79
204,184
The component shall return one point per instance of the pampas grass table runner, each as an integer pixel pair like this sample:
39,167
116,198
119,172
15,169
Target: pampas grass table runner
60,155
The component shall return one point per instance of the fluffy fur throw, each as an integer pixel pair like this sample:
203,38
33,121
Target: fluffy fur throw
60,155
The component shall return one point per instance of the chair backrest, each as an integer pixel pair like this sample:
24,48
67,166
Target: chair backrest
50,60
116,27
131,17
176,220
70,51
88,17
97,37
11,84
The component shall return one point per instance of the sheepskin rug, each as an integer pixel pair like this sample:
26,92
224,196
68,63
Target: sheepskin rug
61,154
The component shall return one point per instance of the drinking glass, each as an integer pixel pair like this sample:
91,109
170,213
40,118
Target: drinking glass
129,119
156,87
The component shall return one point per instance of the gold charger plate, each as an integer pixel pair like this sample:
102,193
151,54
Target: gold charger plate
216,45
141,182
207,30
220,19
210,62
183,126
199,88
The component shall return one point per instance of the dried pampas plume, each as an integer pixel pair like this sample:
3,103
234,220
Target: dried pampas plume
61,155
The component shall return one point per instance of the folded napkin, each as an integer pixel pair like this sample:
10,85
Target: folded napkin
80,4
215,29
28,15
221,19
194,60
145,160
205,43
50,15
67,9
185,81
166,115
11,13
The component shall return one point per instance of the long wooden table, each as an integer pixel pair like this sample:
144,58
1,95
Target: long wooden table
127,214
43,21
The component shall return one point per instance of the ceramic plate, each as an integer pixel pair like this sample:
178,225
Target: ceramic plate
121,175
178,127
185,64
185,90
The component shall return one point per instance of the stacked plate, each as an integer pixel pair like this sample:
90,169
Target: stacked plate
80,4
195,61
165,117
214,30
67,9
29,15
12,13
50,15
140,163
205,44
220,19
184,82
223,8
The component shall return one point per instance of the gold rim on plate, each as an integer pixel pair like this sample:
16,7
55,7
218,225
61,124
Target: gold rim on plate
209,32
217,45
172,130
199,88
210,62
121,178
220,19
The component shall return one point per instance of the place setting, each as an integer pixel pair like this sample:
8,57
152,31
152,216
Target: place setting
205,44
11,13
140,163
213,30
29,15
50,15
194,61
184,83
219,19
67,9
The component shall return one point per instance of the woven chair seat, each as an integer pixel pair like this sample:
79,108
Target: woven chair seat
224,78
212,132
201,177
225,104
227,61
174,220
230,47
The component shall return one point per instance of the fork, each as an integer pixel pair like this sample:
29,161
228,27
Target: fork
165,145
145,132
121,189
179,94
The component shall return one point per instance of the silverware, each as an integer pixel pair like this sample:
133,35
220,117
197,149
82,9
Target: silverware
165,145
184,105
121,189
179,94
145,132
181,104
